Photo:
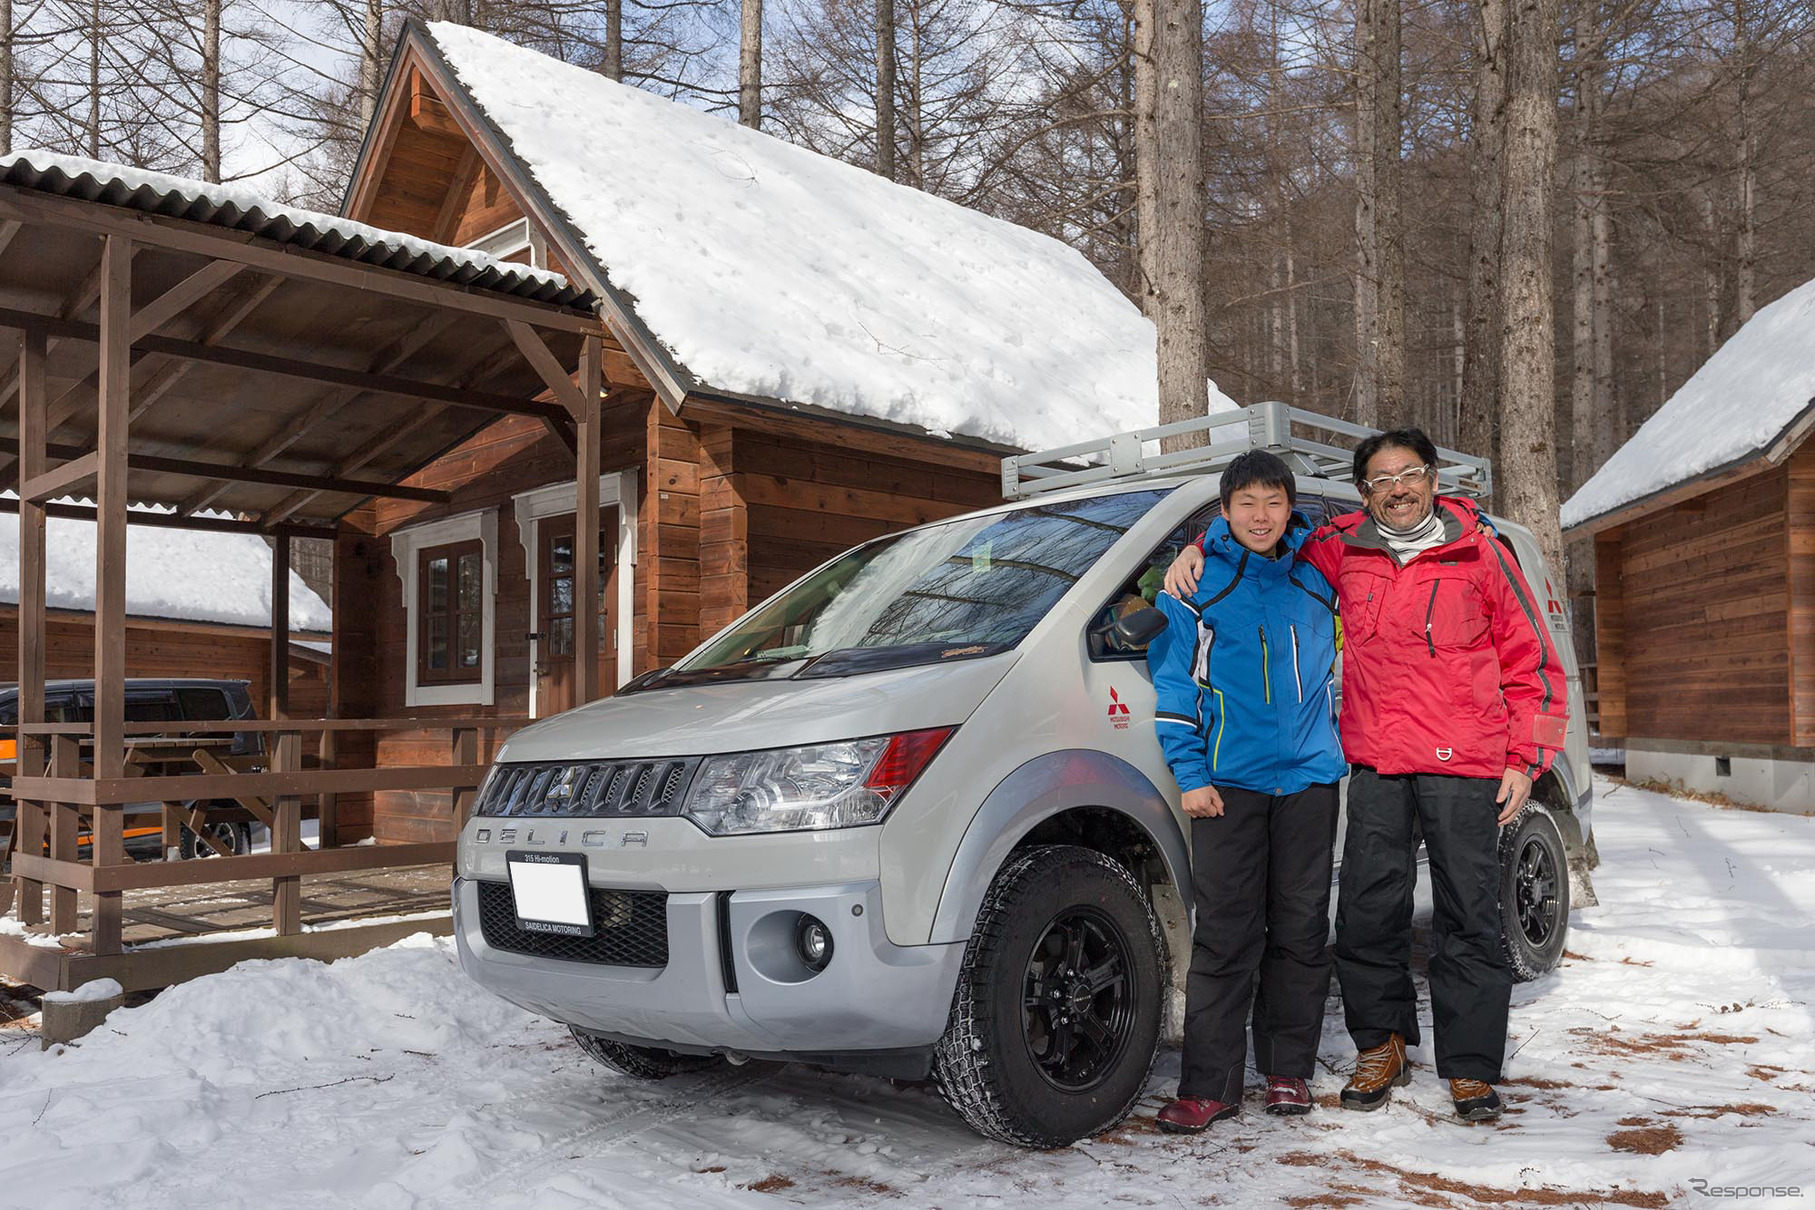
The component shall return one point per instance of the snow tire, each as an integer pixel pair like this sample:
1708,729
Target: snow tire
236,836
986,1064
641,1062
1534,893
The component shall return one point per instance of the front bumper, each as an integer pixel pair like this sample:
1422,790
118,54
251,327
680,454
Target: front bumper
872,995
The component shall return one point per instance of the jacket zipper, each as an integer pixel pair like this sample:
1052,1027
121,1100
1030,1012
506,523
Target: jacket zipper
1297,677
1222,720
1266,668
1428,611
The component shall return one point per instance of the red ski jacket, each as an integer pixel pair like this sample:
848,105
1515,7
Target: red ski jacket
1447,667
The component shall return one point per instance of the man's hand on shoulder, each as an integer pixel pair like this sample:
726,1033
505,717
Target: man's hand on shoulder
1182,576
1203,803
1515,788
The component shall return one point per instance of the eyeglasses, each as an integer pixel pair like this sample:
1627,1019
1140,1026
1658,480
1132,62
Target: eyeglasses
1411,476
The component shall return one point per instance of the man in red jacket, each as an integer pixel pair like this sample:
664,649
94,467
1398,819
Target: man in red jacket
1454,702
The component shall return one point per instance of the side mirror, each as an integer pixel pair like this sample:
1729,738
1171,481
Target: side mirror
1139,628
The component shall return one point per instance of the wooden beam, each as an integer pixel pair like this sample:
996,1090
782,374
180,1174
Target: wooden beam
65,763
180,297
286,260
286,837
214,525
586,524
156,875
31,820
280,626
88,792
458,188
544,363
115,339
60,480
237,474
427,111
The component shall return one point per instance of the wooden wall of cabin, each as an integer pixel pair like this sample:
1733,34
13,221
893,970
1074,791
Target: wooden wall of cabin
168,649
513,455
1694,608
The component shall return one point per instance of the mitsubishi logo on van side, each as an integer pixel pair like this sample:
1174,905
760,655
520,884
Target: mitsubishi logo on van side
1118,710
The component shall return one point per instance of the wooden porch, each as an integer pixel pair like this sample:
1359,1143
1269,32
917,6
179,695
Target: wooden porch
243,373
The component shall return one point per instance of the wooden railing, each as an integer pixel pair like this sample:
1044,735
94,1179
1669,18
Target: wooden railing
55,800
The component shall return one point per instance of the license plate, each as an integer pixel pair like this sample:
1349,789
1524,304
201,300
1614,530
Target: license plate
550,893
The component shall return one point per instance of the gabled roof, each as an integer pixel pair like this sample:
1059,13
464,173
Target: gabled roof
178,574
1755,398
759,270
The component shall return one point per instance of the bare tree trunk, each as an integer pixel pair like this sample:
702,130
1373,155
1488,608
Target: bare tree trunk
1608,431
1393,408
1712,282
1746,250
750,66
915,125
1586,201
612,66
371,60
1528,485
1367,222
1292,356
1477,427
1168,88
885,88
1458,322
95,42
211,90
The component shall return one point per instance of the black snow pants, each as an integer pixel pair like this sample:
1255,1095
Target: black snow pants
1260,876
1471,984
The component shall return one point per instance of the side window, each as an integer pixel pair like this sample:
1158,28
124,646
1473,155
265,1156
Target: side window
1138,592
149,709
203,705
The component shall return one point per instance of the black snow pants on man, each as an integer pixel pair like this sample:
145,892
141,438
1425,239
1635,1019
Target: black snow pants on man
1261,879
1471,984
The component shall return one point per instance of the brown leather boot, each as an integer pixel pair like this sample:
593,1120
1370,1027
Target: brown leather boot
1377,1072
1475,1101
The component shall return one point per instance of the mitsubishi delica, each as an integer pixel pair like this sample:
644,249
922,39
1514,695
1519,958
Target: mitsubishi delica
909,816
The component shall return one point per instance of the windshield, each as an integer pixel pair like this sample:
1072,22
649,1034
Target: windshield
968,587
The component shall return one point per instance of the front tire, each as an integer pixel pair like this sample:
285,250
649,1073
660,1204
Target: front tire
1056,1019
1534,893
237,837
641,1062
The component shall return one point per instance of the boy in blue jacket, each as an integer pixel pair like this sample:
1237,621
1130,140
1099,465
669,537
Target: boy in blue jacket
1247,720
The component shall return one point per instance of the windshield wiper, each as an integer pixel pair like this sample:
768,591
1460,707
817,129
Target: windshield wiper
849,661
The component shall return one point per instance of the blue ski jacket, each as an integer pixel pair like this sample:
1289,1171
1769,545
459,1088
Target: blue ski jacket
1245,671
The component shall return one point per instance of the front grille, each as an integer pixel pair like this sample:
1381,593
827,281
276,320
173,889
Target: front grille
630,928
621,788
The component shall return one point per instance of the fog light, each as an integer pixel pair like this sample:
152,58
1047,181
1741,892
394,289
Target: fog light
815,941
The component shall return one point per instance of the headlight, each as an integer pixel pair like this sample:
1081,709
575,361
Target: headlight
838,785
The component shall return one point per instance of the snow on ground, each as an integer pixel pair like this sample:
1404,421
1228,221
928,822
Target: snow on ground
187,574
770,270
1742,399
1674,1044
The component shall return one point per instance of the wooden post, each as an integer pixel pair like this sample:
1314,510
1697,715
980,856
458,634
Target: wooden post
586,525
286,836
279,689
65,761
1610,634
327,805
30,820
108,848
465,752
110,508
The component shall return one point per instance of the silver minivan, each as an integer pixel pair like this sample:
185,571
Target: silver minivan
909,816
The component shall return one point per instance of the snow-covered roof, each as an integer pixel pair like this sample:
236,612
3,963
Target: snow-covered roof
180,574
241,209
1752,397
769,270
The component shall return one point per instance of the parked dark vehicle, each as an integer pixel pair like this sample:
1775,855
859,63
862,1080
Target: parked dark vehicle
153,699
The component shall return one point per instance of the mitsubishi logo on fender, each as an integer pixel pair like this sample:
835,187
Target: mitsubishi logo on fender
1118,710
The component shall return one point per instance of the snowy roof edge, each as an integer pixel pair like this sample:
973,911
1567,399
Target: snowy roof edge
1783,443
226,206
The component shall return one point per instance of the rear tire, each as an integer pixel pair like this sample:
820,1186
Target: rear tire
1056,1018
1534,893
641,1062
236,836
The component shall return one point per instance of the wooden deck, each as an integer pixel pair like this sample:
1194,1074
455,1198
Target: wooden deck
179,933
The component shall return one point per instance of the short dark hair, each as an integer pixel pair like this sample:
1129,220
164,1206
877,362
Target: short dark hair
1398,439
1258,468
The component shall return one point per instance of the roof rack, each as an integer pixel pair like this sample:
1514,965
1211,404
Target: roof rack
1272,426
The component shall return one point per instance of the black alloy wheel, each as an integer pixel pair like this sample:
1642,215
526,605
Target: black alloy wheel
1078,1008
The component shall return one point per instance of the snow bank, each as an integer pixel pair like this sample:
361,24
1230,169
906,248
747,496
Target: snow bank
1738,403
186,575
252,203
770,270
1675,1043
94,989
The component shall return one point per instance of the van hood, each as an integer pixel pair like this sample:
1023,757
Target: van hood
739,716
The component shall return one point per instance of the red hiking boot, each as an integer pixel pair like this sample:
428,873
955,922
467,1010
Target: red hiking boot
1188,1115
1288,1096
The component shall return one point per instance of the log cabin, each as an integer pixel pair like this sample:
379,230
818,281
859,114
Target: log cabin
1704,537
799,356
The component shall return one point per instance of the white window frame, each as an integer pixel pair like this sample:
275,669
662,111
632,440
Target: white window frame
617,489
511,239
481,525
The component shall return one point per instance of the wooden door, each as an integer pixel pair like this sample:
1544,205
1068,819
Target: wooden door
555,679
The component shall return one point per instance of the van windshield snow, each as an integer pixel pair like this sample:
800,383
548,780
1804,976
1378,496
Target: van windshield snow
969,587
